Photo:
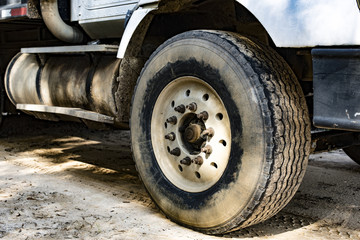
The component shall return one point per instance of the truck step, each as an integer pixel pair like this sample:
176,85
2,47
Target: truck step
73,49
74,112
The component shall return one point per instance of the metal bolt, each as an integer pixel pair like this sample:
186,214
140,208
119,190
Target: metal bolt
192,107
181,108
208,132
186,161
198,160
170,136
172,120
203,116
175,152
207,149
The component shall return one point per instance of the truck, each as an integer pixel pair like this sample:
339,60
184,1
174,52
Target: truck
225,99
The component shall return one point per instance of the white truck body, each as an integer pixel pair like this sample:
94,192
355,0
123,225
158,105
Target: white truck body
290,23
307,23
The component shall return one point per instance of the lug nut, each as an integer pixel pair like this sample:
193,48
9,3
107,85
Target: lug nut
170,136
207,149
181,108
186,161
198,160
175,152
203,116
208,132
192,107
172,120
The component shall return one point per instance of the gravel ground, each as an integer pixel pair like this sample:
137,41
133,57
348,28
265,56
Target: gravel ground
64,181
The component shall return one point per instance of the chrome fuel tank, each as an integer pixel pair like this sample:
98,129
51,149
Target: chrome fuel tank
81,81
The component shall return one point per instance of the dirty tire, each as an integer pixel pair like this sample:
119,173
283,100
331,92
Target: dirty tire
353,152
2,99
263,115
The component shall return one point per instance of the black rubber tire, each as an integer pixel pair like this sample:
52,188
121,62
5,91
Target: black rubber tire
353,152
270,130
2,99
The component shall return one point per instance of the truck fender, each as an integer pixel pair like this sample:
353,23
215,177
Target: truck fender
133,23
290,23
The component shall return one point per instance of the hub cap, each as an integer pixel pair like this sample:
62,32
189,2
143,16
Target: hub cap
190,133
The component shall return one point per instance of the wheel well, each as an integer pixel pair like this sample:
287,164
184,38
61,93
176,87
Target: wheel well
227,15
175,17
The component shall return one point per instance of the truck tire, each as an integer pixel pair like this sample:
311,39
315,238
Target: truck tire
353,152
220,131
2,99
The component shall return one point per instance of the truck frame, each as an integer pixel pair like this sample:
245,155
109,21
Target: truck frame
225,99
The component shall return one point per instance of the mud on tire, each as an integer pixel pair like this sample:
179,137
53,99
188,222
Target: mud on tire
254,104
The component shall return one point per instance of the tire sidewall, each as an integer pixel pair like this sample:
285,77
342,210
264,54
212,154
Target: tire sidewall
231,78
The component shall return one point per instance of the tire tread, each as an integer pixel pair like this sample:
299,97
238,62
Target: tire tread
286,106
285,118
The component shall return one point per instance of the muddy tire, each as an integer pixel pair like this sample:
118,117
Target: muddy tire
354,153
2,99
220,131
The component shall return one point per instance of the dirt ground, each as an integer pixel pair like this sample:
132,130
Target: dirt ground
64,181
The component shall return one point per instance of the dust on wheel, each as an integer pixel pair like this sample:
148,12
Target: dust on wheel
220,131
194,153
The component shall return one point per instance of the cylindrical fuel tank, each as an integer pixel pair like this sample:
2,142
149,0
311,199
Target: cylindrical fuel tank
81,81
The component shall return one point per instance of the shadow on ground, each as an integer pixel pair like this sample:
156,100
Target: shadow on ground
320,203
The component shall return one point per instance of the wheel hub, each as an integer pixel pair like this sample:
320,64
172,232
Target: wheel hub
191,129
191,135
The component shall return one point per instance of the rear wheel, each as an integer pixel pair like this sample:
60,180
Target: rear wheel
2,99
220,131
353,152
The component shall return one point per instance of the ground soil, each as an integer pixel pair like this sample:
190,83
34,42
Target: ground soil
64,181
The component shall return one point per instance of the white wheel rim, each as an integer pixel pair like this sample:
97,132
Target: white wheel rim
194,177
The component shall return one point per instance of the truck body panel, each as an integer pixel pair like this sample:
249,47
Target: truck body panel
289,23
308,23
101,19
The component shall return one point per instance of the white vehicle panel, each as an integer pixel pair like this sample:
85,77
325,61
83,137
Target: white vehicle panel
308,23
134,22
290,23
